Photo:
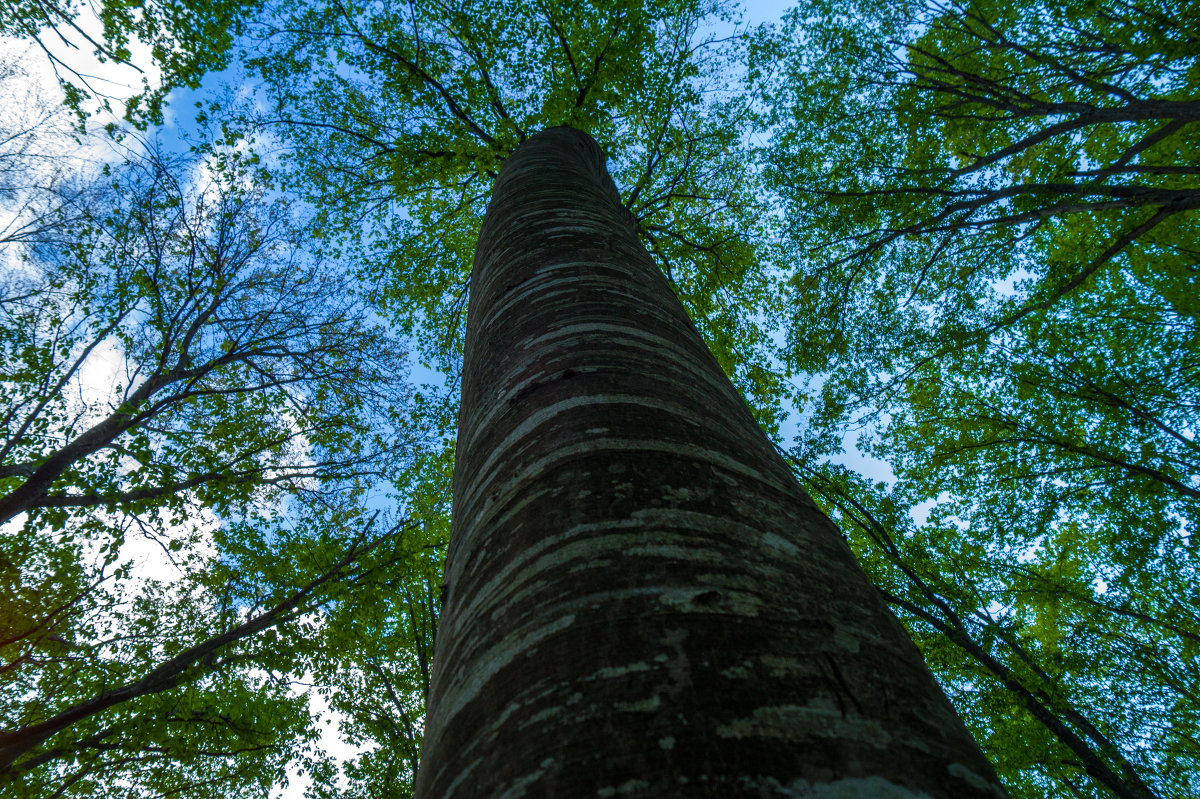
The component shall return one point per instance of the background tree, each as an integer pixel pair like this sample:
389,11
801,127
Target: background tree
992,208
216,313
1061,135
1031,655
179,369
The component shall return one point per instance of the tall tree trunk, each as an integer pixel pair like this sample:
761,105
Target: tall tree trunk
640,599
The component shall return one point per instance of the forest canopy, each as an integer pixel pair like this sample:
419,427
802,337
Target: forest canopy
948,252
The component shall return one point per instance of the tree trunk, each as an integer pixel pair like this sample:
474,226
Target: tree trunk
640,599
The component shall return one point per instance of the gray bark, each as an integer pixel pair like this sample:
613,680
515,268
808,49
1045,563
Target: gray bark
640,599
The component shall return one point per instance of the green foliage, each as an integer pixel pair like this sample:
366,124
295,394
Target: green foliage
993,208
398,118
373,670
946,151
984,256
1045,670
216,327
186,39
184,383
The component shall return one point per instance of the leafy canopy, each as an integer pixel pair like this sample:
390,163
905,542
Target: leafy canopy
396,120
992,207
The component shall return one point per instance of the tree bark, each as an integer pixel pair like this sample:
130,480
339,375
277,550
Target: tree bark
640,599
